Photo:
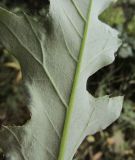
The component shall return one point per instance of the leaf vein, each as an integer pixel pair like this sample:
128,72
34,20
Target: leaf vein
33,30
78,10
45,70
45,112
47,149
77,31
16,138
68,49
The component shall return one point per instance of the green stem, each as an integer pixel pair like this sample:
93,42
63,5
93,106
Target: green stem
72,98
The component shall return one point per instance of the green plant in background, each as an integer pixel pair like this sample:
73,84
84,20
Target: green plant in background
56,66
131,27
114,16
13,97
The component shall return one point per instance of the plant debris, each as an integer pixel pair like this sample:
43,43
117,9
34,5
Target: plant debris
13,93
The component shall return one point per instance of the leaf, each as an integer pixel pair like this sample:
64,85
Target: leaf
56,64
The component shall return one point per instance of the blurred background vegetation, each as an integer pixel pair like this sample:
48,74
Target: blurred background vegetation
118,141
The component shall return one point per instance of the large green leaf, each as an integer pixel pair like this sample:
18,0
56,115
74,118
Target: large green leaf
56,62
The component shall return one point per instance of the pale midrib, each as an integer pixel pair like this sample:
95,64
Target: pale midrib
81,135
70,109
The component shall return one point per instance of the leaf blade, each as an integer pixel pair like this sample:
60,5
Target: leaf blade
54,59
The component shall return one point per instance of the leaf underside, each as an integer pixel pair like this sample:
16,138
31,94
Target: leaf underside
56,66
